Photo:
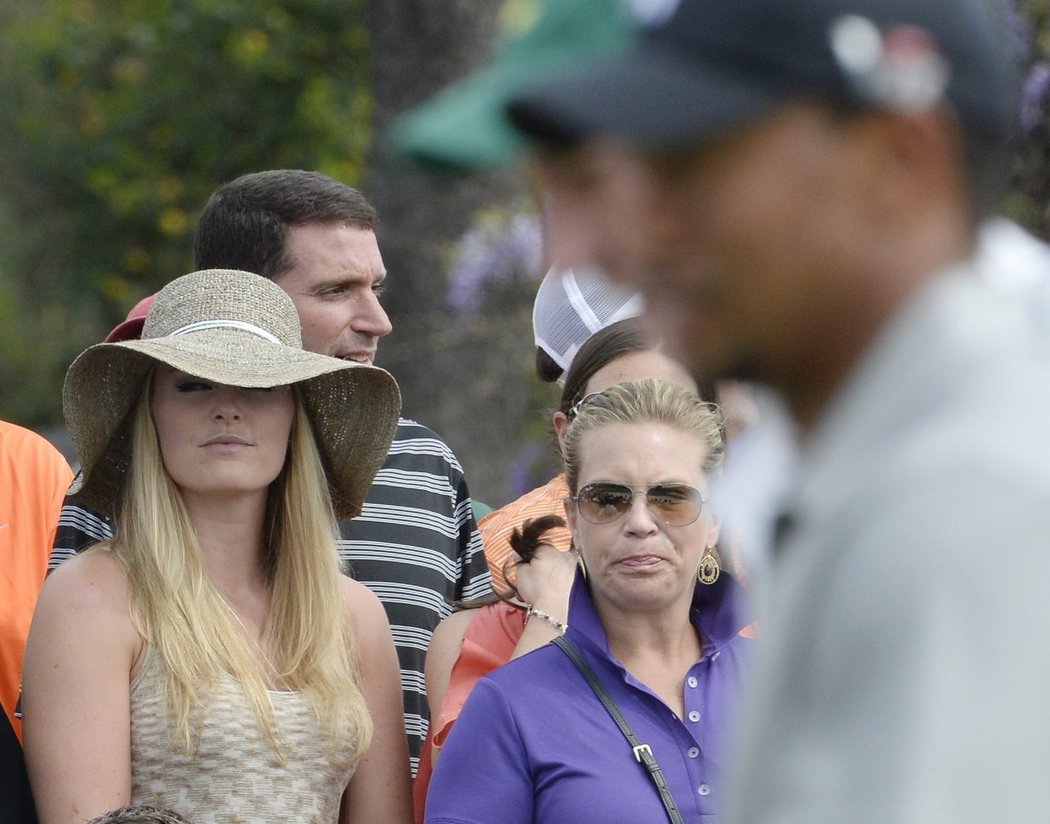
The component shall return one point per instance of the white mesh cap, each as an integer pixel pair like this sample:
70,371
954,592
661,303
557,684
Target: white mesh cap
573,304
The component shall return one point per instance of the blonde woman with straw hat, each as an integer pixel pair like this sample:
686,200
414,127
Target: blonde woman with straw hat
235,674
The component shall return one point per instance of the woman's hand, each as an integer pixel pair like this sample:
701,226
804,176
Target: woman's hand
545,581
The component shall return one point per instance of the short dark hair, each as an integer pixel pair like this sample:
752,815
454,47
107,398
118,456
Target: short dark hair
140,814
605,346
245,222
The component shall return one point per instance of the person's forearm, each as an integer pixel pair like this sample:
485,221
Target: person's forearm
540,630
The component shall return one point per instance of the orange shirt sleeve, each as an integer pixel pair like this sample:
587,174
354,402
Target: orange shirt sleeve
496,527
33,481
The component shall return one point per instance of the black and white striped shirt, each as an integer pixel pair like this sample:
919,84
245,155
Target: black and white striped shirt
415,545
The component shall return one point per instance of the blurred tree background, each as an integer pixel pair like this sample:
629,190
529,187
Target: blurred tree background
118,119
1029,199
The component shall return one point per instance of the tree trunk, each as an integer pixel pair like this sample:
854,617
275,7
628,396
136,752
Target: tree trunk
416,48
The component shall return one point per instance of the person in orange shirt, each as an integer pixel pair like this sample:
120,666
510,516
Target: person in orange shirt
33,480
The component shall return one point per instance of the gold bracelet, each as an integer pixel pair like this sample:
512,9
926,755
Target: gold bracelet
550,619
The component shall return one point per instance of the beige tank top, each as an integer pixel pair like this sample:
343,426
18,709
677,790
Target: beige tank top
234,775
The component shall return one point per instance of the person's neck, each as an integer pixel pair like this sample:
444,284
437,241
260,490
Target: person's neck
657,647
640,638
230,534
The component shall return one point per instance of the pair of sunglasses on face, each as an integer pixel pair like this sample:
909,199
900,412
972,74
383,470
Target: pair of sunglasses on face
673,504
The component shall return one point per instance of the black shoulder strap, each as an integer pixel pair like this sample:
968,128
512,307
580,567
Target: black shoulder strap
642,752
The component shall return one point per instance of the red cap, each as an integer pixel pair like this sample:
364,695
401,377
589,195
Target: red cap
131,327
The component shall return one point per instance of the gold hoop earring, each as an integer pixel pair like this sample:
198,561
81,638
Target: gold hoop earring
579,561
709,569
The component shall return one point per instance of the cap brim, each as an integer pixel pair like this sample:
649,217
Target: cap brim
464,127
126,330
649,98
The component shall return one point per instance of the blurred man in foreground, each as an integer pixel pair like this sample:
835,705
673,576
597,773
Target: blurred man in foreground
796,186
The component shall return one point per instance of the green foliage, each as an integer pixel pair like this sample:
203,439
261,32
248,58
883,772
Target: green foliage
119,118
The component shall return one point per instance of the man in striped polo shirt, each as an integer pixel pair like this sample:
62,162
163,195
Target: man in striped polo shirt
415,543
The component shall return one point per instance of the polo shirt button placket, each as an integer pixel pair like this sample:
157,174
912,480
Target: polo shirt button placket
691,681
694,716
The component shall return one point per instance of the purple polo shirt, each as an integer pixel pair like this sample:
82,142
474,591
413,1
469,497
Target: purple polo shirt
534,744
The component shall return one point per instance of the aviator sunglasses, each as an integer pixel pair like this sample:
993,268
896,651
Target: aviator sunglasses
674,504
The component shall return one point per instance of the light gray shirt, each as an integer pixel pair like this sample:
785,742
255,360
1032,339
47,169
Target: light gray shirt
904,674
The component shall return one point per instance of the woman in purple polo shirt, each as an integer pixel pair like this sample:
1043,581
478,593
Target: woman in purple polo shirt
650,615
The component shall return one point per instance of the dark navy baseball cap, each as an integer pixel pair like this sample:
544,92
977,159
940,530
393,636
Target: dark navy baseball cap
700,68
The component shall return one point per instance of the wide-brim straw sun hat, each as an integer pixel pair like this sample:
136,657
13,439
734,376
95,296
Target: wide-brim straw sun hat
239,329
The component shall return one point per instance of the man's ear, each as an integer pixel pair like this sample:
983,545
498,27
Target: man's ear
909,160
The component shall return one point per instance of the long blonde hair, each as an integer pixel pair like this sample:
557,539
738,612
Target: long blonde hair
308,640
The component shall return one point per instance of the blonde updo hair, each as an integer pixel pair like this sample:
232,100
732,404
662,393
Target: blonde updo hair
645,401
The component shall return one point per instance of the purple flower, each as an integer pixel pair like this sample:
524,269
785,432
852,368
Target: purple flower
1018,29
1033,94
530,467
492,254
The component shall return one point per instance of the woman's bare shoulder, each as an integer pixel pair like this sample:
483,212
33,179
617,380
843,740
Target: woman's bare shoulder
361,601
93,579
369,620
89,590
83,609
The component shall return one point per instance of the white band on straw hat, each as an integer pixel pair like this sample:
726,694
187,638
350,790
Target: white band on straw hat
225,324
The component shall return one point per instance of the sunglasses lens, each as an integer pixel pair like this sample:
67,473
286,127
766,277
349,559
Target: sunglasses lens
675,504
602,503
